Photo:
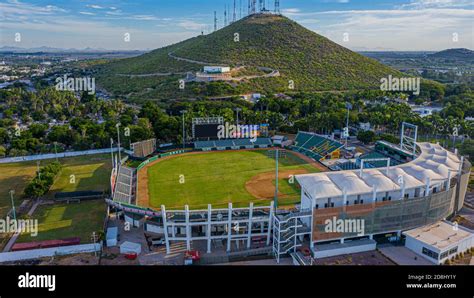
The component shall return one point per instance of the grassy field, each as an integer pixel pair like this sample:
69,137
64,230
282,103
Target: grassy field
219,178
90,173
60,221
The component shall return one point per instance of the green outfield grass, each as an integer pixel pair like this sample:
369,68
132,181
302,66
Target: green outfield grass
217,179
61,221
90,172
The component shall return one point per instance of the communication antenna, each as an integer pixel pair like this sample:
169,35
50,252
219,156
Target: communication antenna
215,20
225,15
234,15
277,6
240,2
253,6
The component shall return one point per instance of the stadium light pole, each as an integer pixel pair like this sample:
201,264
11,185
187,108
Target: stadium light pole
56,150
112,151
184,136
238,110
118,141
13,203
276,179
38,169
349,106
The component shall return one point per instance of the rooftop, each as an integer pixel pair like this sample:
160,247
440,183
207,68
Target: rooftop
440,234
434,163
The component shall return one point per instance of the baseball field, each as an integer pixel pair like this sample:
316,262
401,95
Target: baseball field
217,178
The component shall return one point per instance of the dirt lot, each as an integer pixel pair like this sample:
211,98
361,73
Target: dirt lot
363,258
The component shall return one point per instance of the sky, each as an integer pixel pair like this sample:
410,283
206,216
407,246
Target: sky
405,25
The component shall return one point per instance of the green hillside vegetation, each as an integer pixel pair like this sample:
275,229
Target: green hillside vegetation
312,61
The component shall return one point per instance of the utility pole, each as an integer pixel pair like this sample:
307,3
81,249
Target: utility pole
184,136
13,203
118,142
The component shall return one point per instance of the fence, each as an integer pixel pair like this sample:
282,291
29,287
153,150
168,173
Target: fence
55,155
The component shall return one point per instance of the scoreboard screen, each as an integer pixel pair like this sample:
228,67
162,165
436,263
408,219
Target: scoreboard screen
206,130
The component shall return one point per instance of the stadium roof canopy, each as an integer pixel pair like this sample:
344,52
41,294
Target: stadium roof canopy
434,164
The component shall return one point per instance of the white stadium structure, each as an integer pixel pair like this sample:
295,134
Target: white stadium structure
387,201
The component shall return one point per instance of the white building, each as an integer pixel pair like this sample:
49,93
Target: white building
368,192
440,241
365,126
216,69
426,111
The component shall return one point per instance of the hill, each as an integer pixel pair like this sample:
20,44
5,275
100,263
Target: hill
455,54
311,61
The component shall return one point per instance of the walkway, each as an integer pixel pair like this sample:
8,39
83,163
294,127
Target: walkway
13,239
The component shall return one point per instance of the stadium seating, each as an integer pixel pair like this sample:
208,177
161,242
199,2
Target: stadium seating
204,144
314,146
123,191
232,144
377,164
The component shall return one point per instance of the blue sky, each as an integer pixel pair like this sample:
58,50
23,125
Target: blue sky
367,25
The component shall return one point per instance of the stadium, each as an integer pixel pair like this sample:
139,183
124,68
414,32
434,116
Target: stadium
275,196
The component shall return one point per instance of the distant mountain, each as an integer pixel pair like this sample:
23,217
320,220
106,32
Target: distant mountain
44,49
458,54
312,62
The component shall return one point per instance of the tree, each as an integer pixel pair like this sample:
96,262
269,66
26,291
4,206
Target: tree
366,137
467,148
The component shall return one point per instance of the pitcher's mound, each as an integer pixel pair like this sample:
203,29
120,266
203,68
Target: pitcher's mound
261,186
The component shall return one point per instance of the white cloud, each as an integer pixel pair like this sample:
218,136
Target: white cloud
87,13
421,4
95,6
114,13
191,25
14,7
290,10
399,29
